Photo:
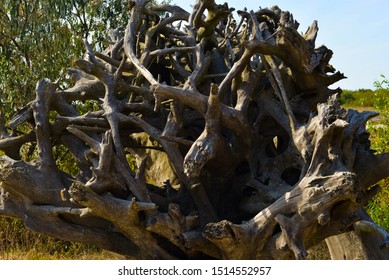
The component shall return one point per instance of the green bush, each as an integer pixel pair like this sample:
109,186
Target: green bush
365,98
377,100
378,207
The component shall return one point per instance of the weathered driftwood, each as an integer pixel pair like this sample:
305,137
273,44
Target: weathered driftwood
242,151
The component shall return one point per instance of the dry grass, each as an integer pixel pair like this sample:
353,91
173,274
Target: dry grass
34,254
319,252
18,243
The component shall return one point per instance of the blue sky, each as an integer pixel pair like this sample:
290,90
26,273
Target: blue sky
356,31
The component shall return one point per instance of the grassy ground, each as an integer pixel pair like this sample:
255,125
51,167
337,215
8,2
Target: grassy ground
378,100
18,243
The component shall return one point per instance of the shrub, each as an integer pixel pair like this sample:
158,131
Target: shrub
378,207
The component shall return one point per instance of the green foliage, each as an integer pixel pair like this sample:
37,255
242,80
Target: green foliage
65,160
379,128
362,97
39,39
381,100
356,98
35,43
377,100
378,207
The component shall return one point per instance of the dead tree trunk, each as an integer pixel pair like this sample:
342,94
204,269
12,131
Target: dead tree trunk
208,138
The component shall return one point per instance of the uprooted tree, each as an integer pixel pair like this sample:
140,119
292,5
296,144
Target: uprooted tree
206,138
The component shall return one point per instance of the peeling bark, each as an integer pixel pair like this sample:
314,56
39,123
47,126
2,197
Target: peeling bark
210,139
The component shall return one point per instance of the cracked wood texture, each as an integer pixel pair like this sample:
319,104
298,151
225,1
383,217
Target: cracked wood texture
209,138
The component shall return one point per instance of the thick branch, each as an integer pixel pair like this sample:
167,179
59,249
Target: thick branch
45,91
